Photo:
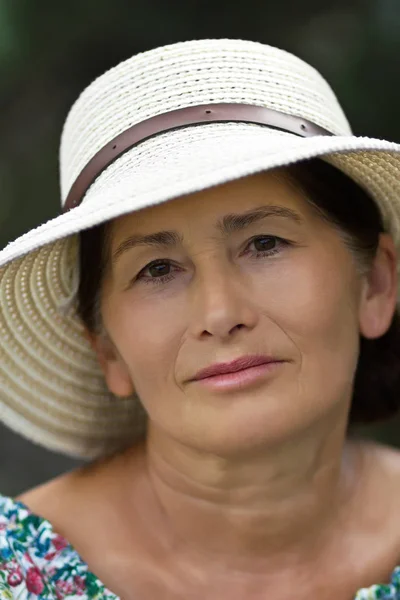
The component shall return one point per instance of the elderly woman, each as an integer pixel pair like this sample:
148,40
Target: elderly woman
227,254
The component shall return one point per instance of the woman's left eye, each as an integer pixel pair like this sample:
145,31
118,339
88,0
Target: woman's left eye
266,245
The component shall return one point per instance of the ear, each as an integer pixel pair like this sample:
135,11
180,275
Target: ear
379,292
114,369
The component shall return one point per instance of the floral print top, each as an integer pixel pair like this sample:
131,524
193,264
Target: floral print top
38,564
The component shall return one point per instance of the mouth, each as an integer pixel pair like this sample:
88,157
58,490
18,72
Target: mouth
238,373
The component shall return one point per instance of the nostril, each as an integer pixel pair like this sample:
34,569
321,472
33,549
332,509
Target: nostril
206,333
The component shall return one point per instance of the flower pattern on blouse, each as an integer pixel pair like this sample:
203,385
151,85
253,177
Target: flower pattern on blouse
38,564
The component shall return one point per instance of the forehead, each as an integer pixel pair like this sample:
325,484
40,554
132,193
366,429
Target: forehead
207,206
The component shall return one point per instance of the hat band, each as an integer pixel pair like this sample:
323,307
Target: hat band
183,117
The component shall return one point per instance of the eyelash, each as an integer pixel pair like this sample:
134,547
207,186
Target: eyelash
257,254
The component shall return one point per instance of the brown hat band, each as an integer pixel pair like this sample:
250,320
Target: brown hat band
183,117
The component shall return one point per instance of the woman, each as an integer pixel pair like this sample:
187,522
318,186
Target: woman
236,271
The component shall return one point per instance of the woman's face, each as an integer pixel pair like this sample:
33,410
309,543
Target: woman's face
245,268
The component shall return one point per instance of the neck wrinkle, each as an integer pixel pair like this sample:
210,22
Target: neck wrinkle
212,509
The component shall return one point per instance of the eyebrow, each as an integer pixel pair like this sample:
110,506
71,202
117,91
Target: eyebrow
160,239
228,224
236,222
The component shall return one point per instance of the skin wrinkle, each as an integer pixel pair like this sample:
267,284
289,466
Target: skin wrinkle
230,224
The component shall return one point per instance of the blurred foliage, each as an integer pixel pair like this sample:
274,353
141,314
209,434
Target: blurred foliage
49,51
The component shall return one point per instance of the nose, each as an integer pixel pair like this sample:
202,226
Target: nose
221,303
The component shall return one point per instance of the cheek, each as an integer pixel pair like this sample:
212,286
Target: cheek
147,334
314,303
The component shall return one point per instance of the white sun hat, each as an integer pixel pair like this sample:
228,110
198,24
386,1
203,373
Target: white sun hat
167,122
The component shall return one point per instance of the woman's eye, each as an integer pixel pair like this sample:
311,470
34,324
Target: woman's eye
265,245
158,271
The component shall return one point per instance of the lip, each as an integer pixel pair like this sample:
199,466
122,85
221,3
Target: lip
240,364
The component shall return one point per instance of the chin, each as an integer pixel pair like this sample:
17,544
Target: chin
238,437
234,426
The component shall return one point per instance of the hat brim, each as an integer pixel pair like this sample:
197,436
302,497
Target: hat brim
52,389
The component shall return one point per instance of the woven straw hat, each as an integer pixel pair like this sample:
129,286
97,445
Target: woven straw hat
167,122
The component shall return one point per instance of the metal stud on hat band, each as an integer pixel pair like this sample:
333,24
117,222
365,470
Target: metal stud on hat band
183,117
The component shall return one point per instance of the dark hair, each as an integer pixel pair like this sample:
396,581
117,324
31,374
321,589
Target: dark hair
338,199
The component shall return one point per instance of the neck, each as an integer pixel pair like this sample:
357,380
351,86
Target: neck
283,501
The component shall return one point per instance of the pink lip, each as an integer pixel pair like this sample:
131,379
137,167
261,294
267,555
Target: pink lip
240,364
239,380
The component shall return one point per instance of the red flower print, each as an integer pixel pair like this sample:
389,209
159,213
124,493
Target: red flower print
27,557
80,584
59,543
64,587
34,581
14,578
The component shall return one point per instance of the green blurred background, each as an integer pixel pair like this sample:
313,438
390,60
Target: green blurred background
49,51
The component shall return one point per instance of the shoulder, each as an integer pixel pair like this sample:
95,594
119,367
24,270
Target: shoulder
376,506
16,523
381,464
31,554
36,562
16,531
382,491
386,462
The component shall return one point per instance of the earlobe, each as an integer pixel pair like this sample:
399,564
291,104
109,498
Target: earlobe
115,371
379,293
